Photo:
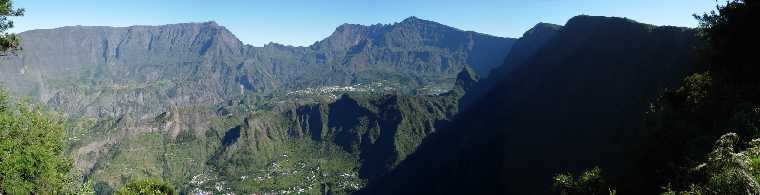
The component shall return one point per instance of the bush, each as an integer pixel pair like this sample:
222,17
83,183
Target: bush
147,187
31,152
589,182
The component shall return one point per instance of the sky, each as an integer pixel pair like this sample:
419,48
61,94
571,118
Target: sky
303,22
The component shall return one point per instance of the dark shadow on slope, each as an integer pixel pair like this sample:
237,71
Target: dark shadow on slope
349,122
576,104
231,136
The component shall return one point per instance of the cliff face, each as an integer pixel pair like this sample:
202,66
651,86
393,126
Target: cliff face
139,71
124,48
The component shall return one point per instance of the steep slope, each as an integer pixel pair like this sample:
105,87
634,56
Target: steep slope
524,49
568,108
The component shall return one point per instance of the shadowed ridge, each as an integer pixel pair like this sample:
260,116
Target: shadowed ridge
568,108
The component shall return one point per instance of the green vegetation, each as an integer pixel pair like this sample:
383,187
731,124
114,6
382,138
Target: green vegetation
8,42
248,149
576,102
590,182
32,139
720,103
301,167
147,187
727,171
150,116
171,112
31,152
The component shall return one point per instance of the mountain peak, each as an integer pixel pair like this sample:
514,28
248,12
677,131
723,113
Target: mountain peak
542,28
546,26
348,35
586,22
413,20
211,23
348,28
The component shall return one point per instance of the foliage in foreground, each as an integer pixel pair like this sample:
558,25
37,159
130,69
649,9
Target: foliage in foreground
722,102
727,171
31,152
590,182
8,42
147,187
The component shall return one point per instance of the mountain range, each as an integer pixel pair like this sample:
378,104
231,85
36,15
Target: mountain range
143,70
414,107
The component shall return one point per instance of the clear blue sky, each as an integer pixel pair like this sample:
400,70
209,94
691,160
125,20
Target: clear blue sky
302,22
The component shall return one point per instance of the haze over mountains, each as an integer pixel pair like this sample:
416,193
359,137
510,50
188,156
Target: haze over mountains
405,108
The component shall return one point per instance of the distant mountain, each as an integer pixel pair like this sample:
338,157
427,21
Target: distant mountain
143,70
140,70
575,103
414,43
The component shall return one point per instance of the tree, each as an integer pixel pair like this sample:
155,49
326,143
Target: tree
590,182
147,187
727,171
725,97
31,151
730,35
9,42
31,140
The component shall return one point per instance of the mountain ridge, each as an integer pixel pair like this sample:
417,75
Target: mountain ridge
72,65
213,23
